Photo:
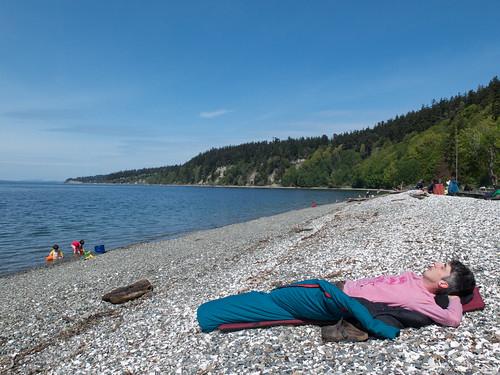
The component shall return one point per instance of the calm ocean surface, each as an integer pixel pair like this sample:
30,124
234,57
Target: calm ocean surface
34,216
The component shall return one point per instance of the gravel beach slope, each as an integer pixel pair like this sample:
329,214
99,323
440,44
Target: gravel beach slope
53,320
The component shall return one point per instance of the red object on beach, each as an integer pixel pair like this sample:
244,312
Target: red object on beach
438,189
229,327
476,303
313,204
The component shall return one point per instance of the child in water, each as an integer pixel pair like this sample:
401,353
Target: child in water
55,253
79,250
78,247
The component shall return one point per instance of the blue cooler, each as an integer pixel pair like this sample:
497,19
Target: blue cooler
99,249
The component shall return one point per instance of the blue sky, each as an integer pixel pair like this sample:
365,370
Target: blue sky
91,87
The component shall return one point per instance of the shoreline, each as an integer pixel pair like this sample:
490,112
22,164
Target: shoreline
160,238
60,310
388,191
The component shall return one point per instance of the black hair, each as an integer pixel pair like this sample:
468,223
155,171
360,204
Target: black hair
55,247
461,281
82,242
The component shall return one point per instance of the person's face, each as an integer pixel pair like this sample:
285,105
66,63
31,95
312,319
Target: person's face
436,272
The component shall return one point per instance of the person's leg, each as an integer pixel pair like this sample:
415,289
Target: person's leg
241,308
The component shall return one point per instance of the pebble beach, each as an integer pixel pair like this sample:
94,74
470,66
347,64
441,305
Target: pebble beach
53,321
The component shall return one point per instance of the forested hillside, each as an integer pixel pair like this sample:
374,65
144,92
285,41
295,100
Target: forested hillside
423,144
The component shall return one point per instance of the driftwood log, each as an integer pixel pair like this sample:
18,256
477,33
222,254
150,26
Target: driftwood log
129,292
419,195
360,199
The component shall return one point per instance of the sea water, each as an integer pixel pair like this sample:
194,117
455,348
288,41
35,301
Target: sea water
34,216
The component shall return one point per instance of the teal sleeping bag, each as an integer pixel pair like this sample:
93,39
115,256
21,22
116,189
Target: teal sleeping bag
316,300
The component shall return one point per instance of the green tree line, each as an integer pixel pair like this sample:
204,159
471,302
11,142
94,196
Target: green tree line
422,144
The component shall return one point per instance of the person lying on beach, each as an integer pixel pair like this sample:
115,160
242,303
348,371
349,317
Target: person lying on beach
319,300
417,293
408,300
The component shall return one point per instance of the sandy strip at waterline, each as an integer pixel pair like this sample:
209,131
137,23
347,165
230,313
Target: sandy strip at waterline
54,321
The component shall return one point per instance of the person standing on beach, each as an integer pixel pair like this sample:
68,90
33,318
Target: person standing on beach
452,186
78,247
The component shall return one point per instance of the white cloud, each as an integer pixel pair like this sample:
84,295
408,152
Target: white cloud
216,113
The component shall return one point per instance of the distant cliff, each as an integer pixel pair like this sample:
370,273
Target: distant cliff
421,144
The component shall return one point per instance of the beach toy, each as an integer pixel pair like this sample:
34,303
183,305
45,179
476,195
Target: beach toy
50,258
87,255
99,249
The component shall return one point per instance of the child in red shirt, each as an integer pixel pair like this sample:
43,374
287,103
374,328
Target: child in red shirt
78,247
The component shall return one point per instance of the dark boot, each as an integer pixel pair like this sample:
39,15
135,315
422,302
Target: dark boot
342,331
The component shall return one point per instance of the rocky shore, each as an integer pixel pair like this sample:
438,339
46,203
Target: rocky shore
53,320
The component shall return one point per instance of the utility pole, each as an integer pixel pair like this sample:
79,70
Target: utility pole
456,152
